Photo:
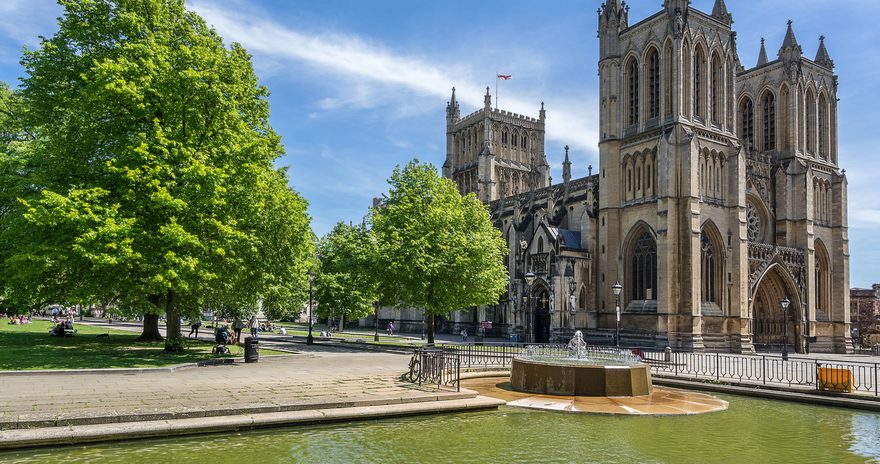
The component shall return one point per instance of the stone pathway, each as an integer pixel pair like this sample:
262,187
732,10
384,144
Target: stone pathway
313,377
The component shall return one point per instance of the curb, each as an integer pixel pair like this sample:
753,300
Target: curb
8,426
31,438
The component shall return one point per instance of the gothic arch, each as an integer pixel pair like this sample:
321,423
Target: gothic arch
822,278
700,78
687,73
651,83
640,264
810,118
767,111
666,77
747,121
712,257
768,324
631,85
716,86
785,117
824,124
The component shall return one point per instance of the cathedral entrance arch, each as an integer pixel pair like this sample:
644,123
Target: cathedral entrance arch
541,326
768,323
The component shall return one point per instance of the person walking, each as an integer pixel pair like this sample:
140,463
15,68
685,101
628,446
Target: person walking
194,327
237,325
254,324
390,328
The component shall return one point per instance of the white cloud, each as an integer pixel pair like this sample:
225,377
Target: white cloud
25,20
379,72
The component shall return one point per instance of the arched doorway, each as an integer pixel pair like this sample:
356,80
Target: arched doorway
541,327
769,327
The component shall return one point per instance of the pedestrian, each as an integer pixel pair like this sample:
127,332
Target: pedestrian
254,324
237,325
464,335
194,328
390,328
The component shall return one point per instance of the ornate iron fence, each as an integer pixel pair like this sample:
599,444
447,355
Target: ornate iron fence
831,375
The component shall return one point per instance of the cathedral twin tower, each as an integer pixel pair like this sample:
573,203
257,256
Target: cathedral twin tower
718,195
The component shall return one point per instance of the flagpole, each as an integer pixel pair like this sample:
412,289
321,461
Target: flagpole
496,90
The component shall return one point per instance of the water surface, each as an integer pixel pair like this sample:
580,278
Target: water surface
750,431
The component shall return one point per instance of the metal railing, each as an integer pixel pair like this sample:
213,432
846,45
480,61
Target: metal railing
834,375
435,366
442,364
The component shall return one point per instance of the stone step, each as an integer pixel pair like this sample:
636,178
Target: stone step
132,429
36,420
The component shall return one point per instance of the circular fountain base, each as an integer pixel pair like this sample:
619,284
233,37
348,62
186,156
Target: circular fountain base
574,379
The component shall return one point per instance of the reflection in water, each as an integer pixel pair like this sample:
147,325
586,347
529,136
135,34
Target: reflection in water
865,435
751,431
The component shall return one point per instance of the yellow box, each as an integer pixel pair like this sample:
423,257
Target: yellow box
835,379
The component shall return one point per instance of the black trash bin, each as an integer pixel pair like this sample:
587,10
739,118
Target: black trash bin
251,350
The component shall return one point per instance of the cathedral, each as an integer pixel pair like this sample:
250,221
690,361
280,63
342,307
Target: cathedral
716,218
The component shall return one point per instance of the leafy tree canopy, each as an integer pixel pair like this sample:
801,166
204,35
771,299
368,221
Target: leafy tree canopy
346,284
437,249
152,172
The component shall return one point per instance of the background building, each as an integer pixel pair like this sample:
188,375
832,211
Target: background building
718,194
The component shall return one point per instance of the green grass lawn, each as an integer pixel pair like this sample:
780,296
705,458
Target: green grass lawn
30,346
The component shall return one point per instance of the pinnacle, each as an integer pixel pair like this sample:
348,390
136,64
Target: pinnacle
790,40
762,55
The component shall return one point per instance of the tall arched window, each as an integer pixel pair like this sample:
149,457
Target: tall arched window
632,71
667,80
747,123
540,244
811,122
686,85
699,81
823,127
710,270
784,120
525,141
653,84
643,268
822,278
769,117
582,299
717,88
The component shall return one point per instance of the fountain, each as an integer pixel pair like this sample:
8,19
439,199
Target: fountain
579,370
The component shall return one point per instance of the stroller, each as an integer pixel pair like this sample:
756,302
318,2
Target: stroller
222,337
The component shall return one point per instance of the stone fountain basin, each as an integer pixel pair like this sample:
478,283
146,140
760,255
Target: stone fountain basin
579,379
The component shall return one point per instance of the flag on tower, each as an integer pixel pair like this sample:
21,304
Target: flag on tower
505,77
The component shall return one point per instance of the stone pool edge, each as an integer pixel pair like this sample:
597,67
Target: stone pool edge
79,434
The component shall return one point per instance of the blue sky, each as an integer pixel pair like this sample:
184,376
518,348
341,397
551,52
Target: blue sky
361,86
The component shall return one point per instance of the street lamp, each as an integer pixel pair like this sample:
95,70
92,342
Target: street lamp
616,288
784,303
310,339
530,279
376,314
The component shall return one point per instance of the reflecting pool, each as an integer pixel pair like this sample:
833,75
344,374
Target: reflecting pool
750,431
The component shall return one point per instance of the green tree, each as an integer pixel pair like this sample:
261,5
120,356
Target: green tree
346,284
437,249
152,169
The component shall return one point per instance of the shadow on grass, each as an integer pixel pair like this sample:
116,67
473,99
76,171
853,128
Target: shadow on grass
28,348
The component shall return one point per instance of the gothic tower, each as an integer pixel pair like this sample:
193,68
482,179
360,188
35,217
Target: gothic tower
670,218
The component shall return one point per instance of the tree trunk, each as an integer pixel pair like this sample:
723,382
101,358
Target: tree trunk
151,329
173,337
430,318
342,323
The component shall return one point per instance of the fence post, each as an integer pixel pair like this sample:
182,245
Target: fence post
764,369
717,366
876,365
458,373
817,375
674,363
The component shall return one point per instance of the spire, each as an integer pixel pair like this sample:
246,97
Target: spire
762,55
790,40
453,111
790,50
542,115
822,57
487,100
719,12
566,168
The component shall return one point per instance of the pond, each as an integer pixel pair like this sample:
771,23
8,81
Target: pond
750,431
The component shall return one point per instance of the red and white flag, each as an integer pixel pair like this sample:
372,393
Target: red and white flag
505,77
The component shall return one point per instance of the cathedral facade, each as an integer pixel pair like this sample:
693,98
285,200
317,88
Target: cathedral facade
718,196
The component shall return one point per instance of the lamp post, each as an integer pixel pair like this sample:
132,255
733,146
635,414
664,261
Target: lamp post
376,313
310,339
784,303
616,288
530,279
